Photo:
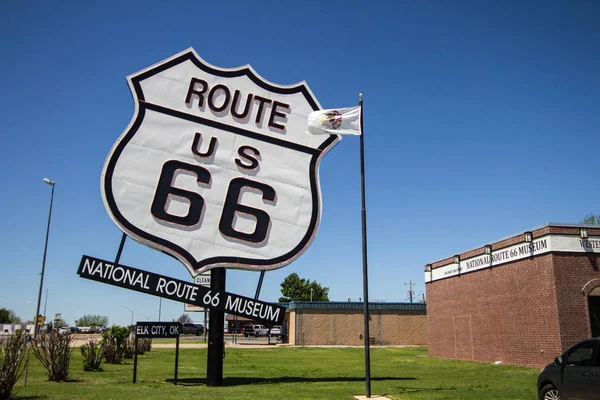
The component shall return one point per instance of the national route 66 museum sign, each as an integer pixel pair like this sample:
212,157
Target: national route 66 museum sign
216,167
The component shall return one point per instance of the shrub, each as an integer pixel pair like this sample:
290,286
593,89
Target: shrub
92,356
54,352
11,362
144,345
129,348
114,344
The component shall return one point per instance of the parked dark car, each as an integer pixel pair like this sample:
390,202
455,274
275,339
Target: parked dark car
193,329
573,375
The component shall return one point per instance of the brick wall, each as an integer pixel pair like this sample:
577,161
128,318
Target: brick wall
345,327
507,313
572,272
514,311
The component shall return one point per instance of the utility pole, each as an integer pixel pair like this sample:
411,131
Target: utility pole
410,289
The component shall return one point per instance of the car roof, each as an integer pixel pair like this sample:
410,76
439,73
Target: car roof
588,340
593,339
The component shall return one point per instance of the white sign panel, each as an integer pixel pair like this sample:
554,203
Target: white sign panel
202,279
541,245
193,308
216,167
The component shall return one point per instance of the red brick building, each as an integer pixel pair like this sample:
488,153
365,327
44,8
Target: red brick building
522,300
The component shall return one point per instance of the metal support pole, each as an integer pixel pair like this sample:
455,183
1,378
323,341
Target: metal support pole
259,286
120,250
216,345
176,360
135,361
205,325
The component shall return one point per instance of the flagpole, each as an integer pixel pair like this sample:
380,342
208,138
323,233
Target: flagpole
364,251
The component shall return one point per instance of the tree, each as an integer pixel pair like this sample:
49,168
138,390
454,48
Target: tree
8,317
92,320
60,323
294,288
185,319
591,219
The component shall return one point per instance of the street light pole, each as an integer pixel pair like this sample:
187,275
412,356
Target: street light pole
131,313
46,302
37,310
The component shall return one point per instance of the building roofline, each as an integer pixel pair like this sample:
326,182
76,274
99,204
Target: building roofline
353,305
536,228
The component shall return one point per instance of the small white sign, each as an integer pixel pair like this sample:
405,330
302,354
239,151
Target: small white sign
58,316
193,308
202,280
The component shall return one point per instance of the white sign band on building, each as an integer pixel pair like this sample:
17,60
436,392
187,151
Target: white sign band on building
541,245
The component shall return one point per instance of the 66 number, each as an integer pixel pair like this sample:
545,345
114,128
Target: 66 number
196,202
214,300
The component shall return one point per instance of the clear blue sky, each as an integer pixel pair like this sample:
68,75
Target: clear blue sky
482,119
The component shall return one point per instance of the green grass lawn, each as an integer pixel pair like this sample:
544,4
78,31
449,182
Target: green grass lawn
288,373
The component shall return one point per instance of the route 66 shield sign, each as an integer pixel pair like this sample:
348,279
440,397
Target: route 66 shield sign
216,167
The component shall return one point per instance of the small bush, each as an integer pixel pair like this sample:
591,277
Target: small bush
129,348
11,362
114,344
92,356
54,352
144,345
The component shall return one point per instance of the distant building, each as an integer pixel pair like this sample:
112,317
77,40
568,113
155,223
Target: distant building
236,324
341,323
521,300
9,329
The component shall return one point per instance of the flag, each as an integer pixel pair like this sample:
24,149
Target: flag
343,121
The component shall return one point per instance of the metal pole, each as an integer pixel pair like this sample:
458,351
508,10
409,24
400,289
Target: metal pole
46,302
127,308
235,329
216,346
159,307
135,359
364,249
37,310
259,286
120,250
176,361
205,325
